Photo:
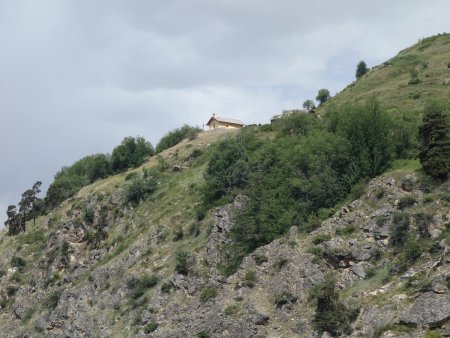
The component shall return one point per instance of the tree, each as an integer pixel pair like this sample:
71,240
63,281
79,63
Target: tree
361,69
435,141
309,104
323,95
13,221
130,153
26,204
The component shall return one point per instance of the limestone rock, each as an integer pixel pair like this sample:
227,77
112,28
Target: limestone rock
429,309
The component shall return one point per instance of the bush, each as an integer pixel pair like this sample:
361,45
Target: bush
18,262
179,234
321,238
150,327
400,228
423,221
182,262
412,251
231,310
176,136
138,286
435,140
51,301
260,259
406,201
203,334
250,278
284,298
89,215
140,188
331,314
207,294
131,153
166,287
347,230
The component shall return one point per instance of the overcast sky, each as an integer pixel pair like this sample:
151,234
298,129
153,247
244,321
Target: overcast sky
78,76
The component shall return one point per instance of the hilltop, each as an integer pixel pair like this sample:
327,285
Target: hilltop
308,227
391,81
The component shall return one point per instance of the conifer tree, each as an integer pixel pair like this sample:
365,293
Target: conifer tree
361,69
435,141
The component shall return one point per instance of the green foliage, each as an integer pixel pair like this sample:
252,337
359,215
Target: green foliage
331,314
18,262
433,334
131,153
321,238
414,77
406,201
435,140
423,221
400,228
346,231
150,327
51,301
203,334
368,128
250,278
260,259
207,294
283,298
139,285
69,180
176,136
361,69
179,234
182,262
412,250
166,287
231,310
140,188
89,215
323,95
309,104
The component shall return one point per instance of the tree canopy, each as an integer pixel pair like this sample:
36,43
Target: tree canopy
323,95
361,69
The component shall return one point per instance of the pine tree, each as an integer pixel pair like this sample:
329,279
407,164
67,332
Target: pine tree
361,69
435,141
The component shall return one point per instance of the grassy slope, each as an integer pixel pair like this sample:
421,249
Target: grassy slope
389,81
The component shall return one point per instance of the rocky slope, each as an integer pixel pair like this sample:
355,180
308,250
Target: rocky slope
56,283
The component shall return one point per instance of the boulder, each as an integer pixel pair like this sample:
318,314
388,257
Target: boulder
429,309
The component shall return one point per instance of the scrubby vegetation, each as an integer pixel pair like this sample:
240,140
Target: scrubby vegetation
175,136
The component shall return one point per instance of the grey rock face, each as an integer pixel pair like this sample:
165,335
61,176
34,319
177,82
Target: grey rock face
429,309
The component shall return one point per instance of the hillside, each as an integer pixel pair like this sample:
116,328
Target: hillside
430,58
304,228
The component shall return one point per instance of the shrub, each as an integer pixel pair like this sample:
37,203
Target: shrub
11,290
231,310
207,294
250,278
18,262
179,234
260,259
406,201
435,140
423,221
203,334
433,334
347,230
283,298
358,190
412,251
176,136
2,273
51,301
166,287
399,229
321,238
194,229
132,175
150,327
182,262
331,314
89,215
140,188
138,286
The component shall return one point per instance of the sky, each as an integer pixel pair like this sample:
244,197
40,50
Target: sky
77,76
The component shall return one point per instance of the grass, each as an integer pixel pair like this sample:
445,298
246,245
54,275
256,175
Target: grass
389,81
